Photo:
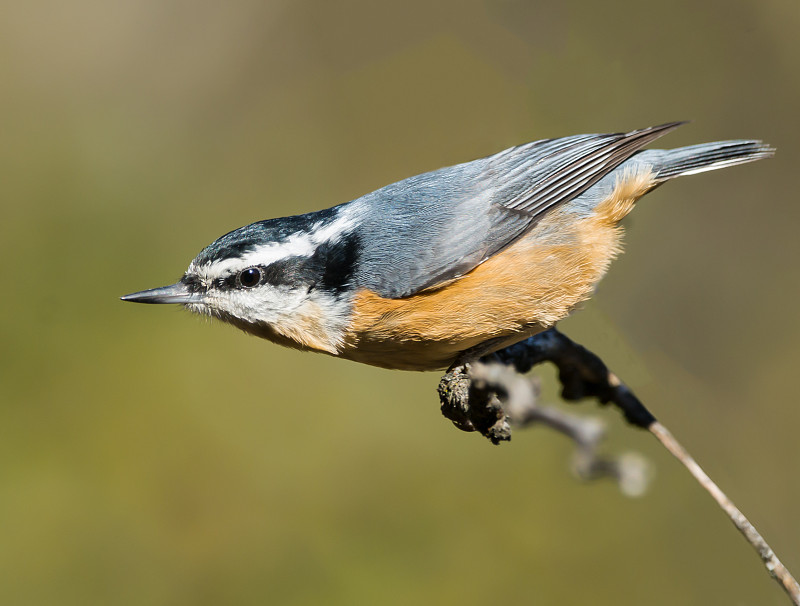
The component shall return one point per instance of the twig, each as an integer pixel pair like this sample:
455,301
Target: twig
774,566
583,374
520,396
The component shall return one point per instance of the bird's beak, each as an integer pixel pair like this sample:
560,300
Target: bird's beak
175,293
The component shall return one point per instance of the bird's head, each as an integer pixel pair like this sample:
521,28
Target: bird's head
287,280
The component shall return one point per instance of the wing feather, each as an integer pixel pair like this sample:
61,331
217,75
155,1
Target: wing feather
432,228
575,168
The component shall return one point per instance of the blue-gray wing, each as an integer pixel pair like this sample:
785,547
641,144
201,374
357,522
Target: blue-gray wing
437,226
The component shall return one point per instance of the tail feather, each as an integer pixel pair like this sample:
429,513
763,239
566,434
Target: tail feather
709,156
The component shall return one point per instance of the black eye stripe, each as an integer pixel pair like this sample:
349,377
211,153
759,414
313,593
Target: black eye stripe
293,272
282,273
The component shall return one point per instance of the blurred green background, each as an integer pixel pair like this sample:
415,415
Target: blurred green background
148,457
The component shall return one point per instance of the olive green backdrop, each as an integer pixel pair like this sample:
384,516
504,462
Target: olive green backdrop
148,457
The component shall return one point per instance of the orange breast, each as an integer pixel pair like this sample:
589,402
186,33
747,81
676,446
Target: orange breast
518,292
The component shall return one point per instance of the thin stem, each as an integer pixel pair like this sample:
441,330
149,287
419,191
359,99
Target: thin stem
774,566
583,374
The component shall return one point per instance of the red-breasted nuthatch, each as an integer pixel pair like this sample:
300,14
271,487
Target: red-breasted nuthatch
447,266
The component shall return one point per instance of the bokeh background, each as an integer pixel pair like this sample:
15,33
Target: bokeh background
149,457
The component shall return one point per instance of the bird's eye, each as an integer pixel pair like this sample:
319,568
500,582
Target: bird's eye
250,277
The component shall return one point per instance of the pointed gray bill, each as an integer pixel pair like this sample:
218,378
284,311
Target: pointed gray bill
175,293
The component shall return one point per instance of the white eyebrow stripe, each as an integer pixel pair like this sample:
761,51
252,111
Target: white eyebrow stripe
297,245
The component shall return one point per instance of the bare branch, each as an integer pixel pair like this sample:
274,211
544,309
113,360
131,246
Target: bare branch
519,396
471,398
774,566
582,374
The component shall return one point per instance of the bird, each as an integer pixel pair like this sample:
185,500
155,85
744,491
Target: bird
444,267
